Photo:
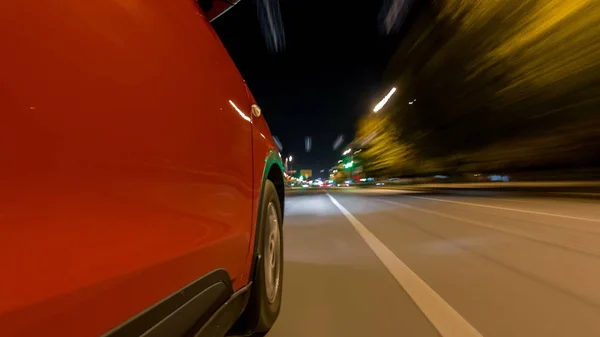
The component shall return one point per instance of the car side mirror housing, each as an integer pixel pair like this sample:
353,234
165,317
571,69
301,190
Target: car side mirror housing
214,8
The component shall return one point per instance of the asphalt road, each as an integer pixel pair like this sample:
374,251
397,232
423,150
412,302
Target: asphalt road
398,263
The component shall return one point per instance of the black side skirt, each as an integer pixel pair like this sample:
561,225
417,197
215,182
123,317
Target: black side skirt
192,310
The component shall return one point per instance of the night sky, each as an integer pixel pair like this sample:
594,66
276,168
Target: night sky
329,74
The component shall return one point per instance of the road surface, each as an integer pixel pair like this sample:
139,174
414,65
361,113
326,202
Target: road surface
473,263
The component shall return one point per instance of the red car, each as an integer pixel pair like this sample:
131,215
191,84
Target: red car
141,192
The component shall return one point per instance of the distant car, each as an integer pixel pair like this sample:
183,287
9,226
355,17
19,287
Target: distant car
142,192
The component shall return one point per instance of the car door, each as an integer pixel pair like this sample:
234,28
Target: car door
127,161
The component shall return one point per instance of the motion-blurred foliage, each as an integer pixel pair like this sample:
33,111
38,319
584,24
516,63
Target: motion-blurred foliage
382,153
499,85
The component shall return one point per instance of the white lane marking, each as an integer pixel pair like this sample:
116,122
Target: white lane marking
594,252
510,209
444,318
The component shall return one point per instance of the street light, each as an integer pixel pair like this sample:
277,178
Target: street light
380,105
346,152
290,158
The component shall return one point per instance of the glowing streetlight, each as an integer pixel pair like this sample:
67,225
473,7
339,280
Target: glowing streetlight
347,151
288,163
380,105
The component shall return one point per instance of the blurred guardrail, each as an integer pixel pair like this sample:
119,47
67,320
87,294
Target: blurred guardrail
582,188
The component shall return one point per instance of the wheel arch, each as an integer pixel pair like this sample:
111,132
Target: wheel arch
273,171
275,175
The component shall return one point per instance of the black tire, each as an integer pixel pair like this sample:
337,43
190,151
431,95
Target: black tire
262,310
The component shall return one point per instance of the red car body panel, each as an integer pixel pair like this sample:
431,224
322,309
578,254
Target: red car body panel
127,169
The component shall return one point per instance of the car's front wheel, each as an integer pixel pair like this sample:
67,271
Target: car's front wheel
265,297
272,252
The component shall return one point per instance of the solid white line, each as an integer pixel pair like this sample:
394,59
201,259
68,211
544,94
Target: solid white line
444,318
510,209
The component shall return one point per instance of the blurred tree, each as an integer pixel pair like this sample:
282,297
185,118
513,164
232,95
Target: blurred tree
380,151
499,85
341,174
